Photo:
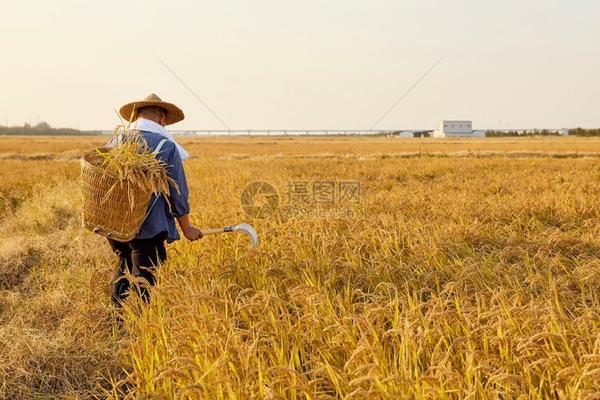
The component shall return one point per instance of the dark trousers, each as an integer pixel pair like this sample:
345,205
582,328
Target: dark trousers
139,257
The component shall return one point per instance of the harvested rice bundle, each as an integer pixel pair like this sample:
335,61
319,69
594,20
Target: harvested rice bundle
117,184
135,168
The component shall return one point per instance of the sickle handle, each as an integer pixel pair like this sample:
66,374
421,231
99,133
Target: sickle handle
216,230
212,231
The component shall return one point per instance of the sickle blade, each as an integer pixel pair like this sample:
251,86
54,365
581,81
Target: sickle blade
249,230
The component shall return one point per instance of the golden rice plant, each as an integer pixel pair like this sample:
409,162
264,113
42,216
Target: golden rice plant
463,277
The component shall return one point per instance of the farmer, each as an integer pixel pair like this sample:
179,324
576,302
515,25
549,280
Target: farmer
141,255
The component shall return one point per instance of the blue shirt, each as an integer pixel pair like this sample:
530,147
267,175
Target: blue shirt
160,218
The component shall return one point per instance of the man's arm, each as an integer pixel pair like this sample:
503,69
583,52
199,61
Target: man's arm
189,231
179,198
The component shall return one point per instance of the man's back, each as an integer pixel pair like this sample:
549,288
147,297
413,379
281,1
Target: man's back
161,213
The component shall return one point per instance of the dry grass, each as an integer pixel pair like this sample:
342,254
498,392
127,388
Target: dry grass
462,277
11,147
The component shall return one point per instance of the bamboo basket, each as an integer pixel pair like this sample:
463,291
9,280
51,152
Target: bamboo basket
107,207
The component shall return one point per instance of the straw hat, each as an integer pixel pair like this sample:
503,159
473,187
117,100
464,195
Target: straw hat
174,113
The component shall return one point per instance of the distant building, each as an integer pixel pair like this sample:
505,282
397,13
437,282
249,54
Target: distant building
563,132
423,134
456,129
411,134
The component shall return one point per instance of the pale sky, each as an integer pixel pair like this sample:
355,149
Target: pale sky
335,64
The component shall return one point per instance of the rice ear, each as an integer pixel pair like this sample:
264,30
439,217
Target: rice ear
120,119
131,117
135,167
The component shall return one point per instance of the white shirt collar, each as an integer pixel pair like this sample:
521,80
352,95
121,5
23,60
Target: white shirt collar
150,126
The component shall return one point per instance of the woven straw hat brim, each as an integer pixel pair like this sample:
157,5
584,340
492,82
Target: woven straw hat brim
174,113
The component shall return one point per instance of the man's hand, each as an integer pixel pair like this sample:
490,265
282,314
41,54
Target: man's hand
192,233
189,231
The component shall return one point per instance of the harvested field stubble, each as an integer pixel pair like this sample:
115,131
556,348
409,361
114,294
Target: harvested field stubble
456,277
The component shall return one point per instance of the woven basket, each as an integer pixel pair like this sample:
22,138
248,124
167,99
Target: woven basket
109,215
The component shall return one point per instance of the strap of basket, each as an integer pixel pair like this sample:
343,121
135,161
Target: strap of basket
155,152
160,145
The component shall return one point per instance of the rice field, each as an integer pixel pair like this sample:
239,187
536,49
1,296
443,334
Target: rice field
390,269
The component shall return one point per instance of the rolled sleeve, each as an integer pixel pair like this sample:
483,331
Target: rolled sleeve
179,200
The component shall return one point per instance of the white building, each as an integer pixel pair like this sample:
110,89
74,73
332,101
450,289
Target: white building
456,129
